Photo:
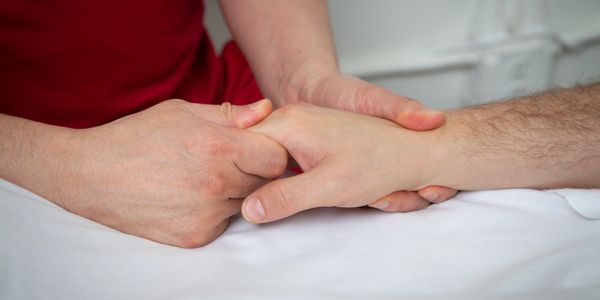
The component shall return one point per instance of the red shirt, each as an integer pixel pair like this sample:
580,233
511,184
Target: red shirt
84,63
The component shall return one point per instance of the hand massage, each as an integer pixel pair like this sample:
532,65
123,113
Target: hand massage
136,162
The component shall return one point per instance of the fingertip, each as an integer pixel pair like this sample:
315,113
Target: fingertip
400,201
437,194
430,195
253,113
253,210
424,119
380,204
263,108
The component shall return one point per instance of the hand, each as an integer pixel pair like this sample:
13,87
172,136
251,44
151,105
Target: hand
349,160
355,95
173,173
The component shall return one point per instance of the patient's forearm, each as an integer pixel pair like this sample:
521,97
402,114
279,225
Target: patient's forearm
549,140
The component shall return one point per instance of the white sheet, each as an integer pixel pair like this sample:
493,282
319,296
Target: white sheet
480,244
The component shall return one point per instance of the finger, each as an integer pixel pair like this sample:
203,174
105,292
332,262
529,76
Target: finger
226,208
233,206
437,194
287,196
233,115
240,184
219,229
405,111
400,201
259,155
196,242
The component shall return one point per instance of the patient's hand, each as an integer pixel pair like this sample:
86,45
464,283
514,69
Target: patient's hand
352,94
349,160
173,173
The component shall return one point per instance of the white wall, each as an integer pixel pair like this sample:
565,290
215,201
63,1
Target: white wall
450,53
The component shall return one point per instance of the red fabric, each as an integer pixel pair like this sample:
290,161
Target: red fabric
84,63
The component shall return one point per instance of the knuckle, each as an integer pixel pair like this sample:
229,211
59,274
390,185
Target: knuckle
172,103
216,185
215,146
295,115
277,164
193,233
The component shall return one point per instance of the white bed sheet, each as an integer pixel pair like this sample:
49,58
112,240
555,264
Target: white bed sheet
492,244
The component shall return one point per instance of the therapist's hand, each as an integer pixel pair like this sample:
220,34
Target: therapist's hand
335,90
173,173
349,160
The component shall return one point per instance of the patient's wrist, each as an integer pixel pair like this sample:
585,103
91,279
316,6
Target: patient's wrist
447,153
465,160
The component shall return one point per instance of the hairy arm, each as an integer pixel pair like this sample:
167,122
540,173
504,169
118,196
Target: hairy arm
548,140
288,43
31,154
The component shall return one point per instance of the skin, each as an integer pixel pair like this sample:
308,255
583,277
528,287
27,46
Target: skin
173,173
138,173
550,140
300,65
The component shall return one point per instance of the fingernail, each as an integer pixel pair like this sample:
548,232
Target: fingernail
254,209
381,204
428,111
248,118
430,196
257,105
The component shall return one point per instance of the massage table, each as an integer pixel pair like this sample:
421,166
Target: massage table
516,243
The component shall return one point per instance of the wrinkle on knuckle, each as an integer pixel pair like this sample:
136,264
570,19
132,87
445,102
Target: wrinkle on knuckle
215,146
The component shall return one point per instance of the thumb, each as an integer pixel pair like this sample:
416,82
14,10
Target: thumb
284,197
240,116
405,111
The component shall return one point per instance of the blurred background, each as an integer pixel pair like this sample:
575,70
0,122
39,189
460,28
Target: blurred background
452,53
